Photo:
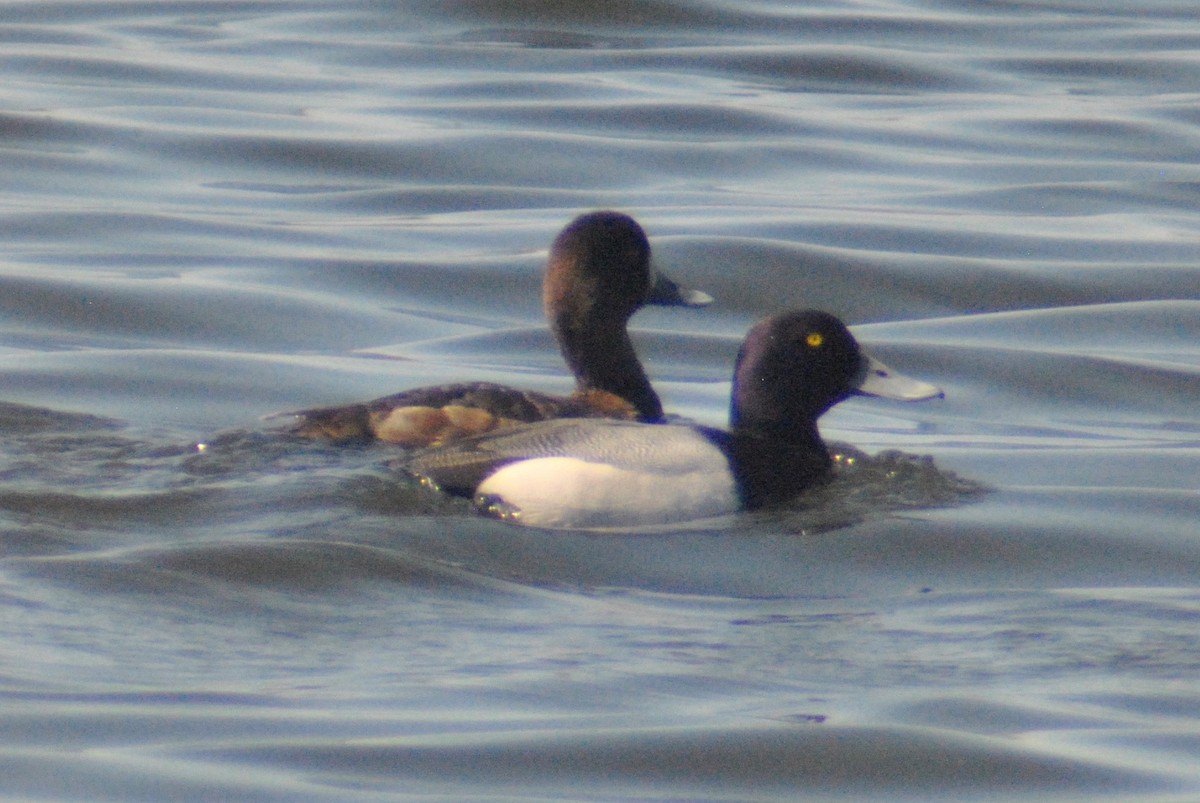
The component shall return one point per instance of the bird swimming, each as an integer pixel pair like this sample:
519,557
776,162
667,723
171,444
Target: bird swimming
593,473
598,274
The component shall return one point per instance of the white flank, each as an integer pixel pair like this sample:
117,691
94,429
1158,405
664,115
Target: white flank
571,492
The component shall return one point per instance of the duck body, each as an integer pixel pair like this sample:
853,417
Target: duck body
577,475
440,414
603,473
568,474
597,276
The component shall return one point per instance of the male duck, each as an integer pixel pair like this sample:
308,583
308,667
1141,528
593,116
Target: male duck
598,274
591,474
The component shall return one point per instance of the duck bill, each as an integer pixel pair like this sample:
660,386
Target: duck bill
879,380
667,293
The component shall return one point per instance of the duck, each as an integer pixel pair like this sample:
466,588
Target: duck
598,274
791,368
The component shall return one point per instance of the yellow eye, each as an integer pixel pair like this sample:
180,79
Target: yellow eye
814,340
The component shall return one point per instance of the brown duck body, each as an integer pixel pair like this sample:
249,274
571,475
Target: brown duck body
597,276
434,416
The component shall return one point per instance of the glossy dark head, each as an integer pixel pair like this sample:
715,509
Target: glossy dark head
791,368
794,366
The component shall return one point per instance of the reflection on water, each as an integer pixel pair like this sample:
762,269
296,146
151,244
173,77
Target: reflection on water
213,213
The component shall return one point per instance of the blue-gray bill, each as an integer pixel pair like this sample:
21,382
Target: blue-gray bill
666,292
879,380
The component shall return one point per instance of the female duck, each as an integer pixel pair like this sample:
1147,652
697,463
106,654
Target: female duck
597,276
790,370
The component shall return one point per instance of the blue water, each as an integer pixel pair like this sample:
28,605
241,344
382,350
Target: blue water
216,211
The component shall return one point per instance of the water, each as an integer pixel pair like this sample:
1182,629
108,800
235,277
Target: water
215,211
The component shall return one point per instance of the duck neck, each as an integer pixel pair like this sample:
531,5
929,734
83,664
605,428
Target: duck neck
601,357
772,468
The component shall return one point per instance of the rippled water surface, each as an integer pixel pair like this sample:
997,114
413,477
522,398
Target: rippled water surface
215,211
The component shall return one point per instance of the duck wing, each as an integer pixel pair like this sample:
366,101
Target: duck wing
662,449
